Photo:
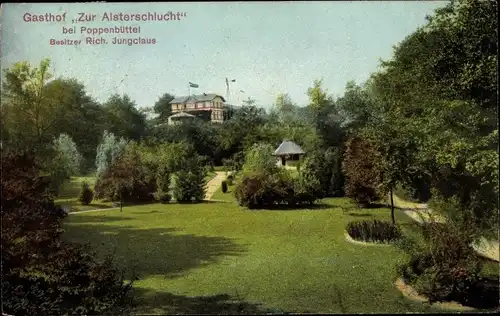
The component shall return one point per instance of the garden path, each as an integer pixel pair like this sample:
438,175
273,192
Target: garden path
214,184
421,212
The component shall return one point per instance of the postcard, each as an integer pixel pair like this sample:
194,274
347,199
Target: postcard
249,157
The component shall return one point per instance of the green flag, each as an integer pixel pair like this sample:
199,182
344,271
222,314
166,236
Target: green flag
193,85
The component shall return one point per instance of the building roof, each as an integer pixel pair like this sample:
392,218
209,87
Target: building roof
181,114
196,98
288,148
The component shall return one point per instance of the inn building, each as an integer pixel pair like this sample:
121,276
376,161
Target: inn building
209,107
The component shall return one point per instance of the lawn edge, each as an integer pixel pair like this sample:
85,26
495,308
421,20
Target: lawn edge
410,293
348,238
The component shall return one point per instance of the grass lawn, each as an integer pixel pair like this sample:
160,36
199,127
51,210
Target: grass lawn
69,195
229,195
218,257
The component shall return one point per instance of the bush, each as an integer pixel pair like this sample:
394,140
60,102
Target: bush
373,231
230,179
190,182
129,177
43,274
86,195
261,190
224,186
445,267
162,197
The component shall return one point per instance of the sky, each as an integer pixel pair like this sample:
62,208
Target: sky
267,47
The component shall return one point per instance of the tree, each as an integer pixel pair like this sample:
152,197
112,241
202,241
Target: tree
44,274
125,120
79,116
107,151
324,115
30,118
355,107
241,131
163,107
259,158
439,92
249,102
190,181
318,98
364,176
66,162
285,109
37,109
130,177
86,195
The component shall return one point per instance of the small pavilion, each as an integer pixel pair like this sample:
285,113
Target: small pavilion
288,154
180,117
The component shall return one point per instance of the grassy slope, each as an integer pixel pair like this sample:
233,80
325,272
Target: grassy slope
294,261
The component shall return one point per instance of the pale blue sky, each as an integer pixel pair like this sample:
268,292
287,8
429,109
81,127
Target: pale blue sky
268,47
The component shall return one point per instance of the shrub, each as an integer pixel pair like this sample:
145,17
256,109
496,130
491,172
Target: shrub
261,190
162,197
445,266
362,171
45,275
373,231
190,182
86,195
224,186
129,177
230,179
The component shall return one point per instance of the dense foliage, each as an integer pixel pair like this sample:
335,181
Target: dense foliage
373,231
107,151
445,267
321,171
41,274
364,175
190,181
424,124
260,158
268,190
65,163
128,179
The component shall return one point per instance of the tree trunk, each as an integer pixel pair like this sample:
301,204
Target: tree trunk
392,208
121,201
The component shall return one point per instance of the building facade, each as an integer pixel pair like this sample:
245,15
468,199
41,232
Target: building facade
210,107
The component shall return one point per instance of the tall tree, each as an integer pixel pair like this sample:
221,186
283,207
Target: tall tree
162,107
29,117
66,162
325,116
107,151
125,120
80,117
434,109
